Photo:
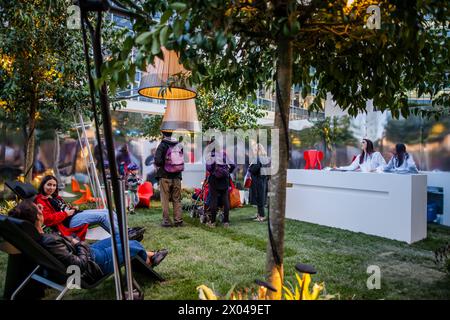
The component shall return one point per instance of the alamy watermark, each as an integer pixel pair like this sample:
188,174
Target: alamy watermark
74,280
374,20
74,19
239,146
374,280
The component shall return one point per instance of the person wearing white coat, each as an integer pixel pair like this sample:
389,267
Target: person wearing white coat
368,161
401,161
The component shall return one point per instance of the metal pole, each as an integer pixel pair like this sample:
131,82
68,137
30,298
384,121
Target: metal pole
98,190
82,153
107,127
83,138
126,244
117,272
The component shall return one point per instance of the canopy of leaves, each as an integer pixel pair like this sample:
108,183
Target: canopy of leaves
42,61
333,47
222,109
151,127
332,131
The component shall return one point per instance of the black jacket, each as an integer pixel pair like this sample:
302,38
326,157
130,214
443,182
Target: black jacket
69,254
160,157
259,187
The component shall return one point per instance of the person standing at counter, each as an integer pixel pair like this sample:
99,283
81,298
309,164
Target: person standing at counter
401,161
368,161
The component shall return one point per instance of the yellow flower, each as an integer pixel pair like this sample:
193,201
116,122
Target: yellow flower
206,293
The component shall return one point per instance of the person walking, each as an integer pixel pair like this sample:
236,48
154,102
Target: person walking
259,186
219,167
169,160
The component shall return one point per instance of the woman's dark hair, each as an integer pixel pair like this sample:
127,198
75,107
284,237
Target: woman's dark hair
400,150
25,210
44,181
369,150
124,148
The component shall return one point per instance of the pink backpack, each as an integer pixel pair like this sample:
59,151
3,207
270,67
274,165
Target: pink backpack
174,161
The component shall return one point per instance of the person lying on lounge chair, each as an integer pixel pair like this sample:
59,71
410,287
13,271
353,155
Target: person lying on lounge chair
94,260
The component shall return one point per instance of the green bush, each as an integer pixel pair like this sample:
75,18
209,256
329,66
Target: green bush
442,257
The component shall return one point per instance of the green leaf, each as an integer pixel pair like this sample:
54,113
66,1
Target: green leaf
164,35
156,47
178,6
144,37
221,40
285,30
295,27
178,28
165,16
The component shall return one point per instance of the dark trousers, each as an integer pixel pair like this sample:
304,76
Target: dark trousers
260,184
222,196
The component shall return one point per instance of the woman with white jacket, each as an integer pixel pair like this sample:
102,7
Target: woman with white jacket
401,161
368,161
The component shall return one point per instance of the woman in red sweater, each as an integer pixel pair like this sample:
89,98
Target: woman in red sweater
65,218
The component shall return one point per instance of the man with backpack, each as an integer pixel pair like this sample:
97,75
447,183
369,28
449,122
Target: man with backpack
169,159
219,167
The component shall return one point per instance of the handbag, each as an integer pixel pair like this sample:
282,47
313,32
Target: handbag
248,180
235,196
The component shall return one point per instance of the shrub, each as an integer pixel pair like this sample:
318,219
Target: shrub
442,257
6,206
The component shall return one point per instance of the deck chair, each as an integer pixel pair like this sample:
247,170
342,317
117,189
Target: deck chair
22,190
49,270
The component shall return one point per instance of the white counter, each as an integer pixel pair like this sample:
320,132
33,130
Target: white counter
382,204
193,175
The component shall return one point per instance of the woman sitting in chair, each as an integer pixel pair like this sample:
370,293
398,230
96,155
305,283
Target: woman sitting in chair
94,260
65,218
368,161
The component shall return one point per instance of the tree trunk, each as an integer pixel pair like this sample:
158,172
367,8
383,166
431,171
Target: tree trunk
56,153
2,155
30,143
333,161
278,180
3,146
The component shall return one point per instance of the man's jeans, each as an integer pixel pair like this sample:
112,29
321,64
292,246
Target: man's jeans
102,253
94,216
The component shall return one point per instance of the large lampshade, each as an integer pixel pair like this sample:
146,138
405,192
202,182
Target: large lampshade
180,116
162,72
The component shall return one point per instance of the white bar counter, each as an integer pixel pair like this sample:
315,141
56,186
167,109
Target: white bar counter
388,205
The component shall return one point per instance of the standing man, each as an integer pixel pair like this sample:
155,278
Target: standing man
169,159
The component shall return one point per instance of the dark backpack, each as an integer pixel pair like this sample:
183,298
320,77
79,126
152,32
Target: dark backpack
174,160
221,170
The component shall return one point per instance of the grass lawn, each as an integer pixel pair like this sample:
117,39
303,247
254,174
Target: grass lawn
221,258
